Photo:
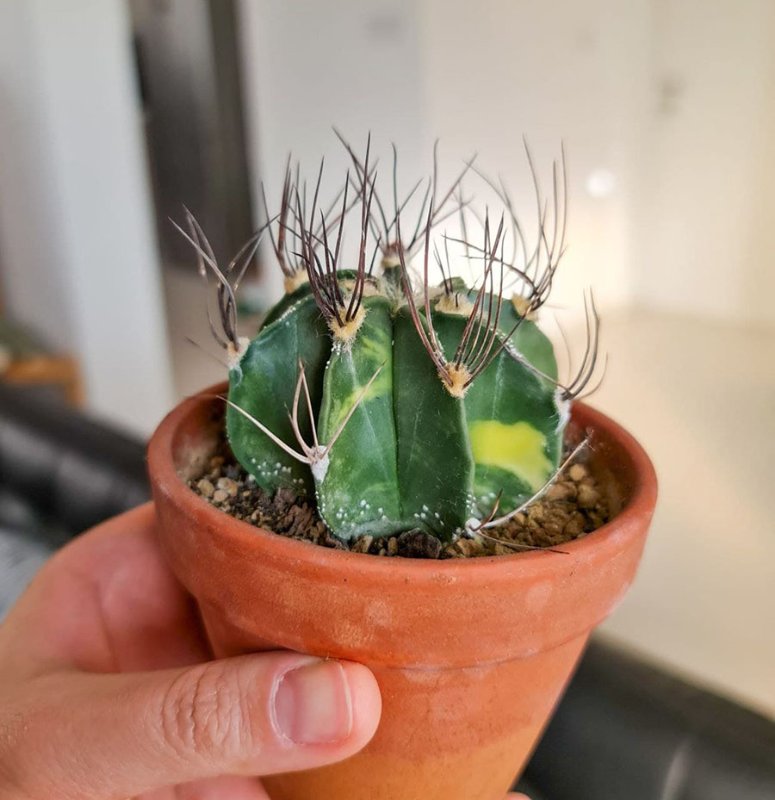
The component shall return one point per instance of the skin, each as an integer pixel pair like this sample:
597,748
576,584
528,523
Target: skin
108,690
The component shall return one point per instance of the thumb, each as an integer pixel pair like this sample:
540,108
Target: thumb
98,736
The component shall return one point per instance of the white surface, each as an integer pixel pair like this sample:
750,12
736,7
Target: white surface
478,77
308,66
85,251
34,284
700,398
197,359
705,234
496,70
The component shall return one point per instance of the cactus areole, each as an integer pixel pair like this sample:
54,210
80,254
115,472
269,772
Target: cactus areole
397,402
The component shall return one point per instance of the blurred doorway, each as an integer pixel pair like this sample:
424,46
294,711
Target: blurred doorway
189,77
189,74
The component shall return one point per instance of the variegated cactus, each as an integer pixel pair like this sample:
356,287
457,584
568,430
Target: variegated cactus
395,403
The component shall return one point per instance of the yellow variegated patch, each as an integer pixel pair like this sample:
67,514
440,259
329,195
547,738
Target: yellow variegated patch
518,448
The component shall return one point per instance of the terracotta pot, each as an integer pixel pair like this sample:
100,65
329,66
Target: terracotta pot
470,655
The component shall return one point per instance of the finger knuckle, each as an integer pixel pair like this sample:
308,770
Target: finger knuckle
203,712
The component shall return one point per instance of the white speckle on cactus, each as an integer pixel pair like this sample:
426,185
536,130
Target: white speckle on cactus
472,526
512,351
285,317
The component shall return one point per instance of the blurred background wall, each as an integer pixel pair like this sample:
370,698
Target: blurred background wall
113,112
80,260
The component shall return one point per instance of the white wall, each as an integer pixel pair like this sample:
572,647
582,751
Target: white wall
310,65
33,282
672,98
706,243
703,598
496,70
75,219
478,76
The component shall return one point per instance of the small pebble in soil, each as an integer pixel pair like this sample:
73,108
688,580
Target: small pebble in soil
570,509
417,544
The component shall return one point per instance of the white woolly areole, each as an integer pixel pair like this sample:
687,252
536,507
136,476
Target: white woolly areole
347,332
391,262
472,526
292,282
523,308
455,303
563,406
318,463
234,354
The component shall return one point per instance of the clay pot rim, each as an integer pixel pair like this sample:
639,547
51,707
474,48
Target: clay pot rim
433,571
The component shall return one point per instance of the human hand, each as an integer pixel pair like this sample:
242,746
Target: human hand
108,691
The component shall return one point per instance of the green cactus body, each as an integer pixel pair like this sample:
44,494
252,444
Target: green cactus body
410,455
435,462
391,403
529,341
262,385
365,455
512,421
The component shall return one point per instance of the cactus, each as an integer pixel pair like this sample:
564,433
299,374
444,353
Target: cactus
394,403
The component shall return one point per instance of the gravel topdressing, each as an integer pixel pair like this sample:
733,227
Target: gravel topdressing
571,508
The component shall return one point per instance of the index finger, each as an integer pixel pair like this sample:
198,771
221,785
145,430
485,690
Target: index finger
105,603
